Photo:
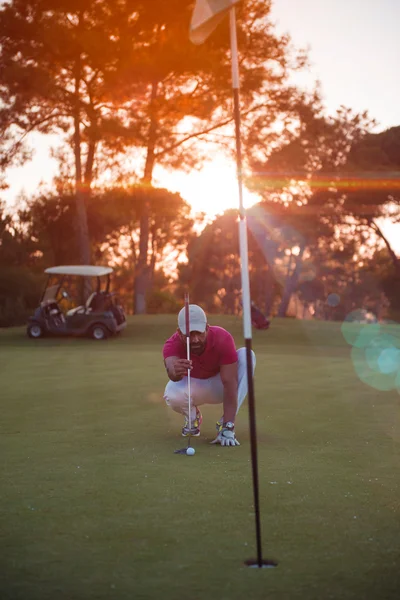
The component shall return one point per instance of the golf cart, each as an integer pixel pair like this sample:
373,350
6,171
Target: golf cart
99,317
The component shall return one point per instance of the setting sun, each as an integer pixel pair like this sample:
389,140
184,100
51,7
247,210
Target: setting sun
212,190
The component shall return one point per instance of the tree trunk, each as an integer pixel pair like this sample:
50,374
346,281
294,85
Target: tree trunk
142,273
269,294
290,284
142,267
81,215
89,166
394,258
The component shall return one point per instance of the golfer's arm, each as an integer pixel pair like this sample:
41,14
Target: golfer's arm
229,378
169,365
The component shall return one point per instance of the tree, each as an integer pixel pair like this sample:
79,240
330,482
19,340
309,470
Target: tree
195,82
388,279
61,68
168,221
340,280
116,76
113,221
212,272
19,283
299,182
371,181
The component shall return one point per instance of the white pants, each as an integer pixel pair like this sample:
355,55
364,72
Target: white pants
206,391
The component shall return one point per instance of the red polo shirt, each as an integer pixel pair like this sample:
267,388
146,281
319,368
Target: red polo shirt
220,350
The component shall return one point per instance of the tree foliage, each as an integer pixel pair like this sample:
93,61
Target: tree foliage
122,85
308,180
19,281
212,272
114,76
113,219
373,189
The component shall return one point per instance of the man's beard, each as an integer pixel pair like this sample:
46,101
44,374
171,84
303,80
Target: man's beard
197,348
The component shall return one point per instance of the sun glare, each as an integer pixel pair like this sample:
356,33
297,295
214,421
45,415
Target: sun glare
212,190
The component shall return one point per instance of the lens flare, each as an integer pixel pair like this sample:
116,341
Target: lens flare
373,378
397,382
382,355
360,327
375,349
333,300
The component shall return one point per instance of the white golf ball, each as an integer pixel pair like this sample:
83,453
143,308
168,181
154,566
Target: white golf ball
190,451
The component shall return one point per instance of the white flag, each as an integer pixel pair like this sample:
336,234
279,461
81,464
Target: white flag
206,16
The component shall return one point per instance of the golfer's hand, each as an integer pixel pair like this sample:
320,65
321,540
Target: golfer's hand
181,367
226,437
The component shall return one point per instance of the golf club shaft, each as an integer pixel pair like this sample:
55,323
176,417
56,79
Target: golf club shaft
188,377
187,327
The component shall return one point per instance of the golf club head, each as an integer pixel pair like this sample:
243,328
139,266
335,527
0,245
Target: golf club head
181,451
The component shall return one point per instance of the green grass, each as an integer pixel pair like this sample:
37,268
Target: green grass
94,503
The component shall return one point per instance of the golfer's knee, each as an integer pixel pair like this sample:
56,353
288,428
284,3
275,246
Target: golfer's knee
175,397
177,404
242,357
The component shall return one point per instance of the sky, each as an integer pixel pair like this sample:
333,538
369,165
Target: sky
354,50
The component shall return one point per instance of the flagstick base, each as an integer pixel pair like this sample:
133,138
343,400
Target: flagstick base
253,563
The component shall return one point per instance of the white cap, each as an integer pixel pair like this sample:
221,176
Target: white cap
197,319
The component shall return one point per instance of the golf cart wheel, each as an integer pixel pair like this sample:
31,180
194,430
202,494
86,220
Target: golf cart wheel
35,331
99,332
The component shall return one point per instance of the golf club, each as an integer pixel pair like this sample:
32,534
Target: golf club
187,334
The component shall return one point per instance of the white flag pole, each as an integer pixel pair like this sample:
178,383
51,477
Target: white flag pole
244,267
242,223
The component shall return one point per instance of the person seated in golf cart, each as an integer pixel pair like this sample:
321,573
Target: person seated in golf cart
218,374
53,313
99,317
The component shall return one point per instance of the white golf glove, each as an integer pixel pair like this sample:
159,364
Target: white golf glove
226,437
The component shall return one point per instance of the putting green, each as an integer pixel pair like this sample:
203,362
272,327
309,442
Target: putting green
96,505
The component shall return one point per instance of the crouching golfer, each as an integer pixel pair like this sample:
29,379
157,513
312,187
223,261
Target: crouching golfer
217,374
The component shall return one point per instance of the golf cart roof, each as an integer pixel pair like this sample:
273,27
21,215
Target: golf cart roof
82,270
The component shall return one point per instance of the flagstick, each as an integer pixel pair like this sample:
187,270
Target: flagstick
244,259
